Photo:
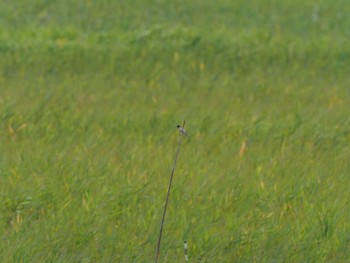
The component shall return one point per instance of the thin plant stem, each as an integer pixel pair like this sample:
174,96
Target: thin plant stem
168,194
185,250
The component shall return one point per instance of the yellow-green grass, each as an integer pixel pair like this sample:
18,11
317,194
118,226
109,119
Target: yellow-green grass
90,95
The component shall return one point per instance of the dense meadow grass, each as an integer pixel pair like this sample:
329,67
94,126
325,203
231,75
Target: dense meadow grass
91,92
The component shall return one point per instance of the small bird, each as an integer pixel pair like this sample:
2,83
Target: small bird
182,130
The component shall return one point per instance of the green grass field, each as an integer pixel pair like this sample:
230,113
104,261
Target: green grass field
91,92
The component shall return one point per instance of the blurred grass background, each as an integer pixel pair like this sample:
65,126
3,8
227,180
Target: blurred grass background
91,92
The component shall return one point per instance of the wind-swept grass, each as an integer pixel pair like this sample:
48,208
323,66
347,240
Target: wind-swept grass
90,93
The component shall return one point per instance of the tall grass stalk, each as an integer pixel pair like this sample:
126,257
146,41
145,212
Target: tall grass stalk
168,194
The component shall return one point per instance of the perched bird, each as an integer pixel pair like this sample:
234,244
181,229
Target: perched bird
182,130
